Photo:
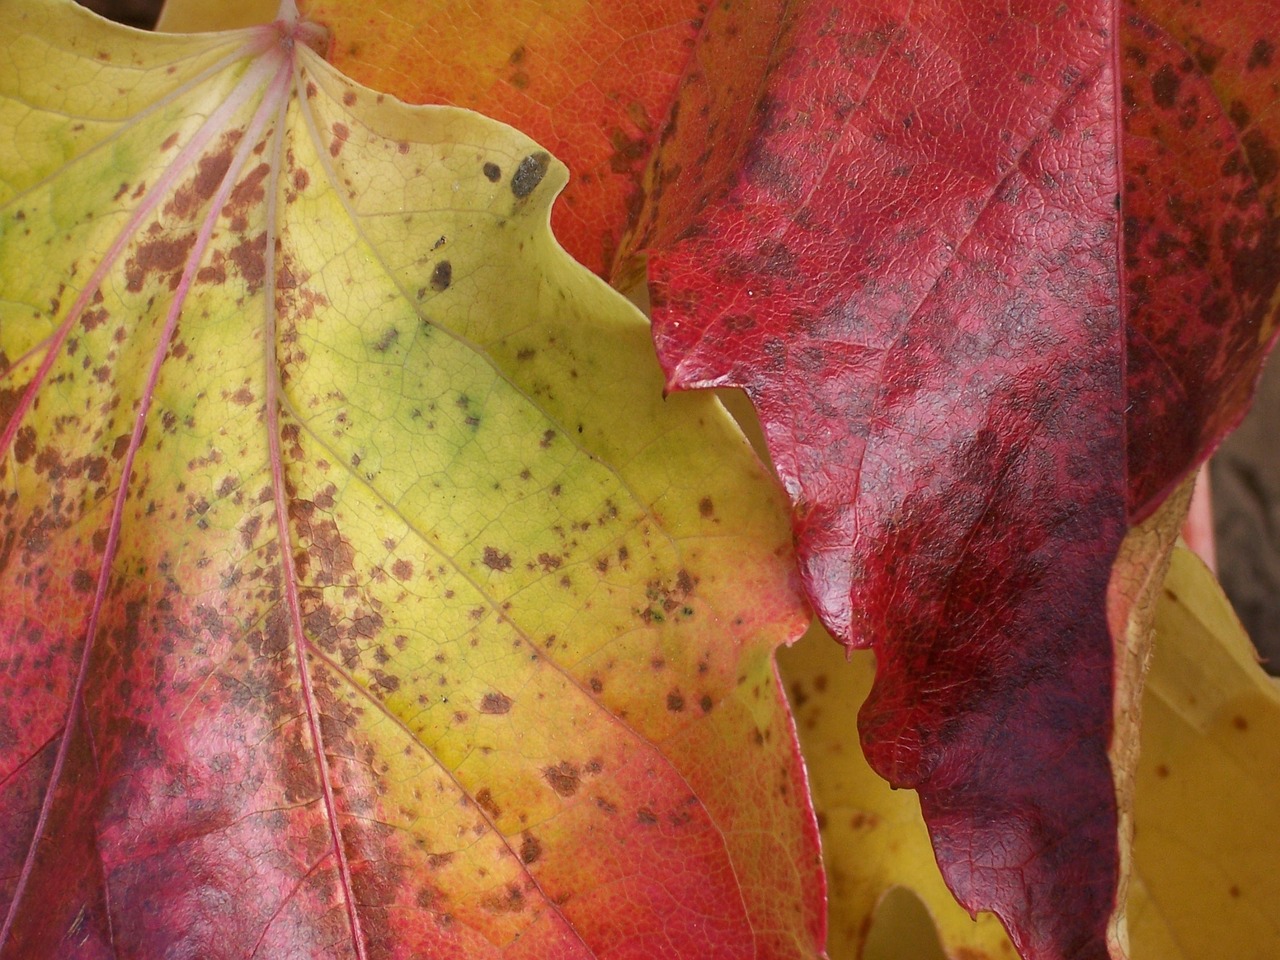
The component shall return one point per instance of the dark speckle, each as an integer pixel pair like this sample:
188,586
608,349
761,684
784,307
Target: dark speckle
675,701
529,174
495,560
492,172
530,849
495,703
442,276
1263,159
564,778
484,799
1261,54
1164,86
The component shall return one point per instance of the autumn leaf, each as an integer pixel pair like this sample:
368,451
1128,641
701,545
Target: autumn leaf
993,300
361,594
873,838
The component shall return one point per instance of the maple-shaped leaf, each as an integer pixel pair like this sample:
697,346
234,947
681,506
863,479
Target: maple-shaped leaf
360,594
996,278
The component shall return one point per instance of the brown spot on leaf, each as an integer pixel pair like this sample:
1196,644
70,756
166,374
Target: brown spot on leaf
402,569
530,849
675,701
495,560
510,902
248,191
492,172
486,803
494,702
159,255
706,508
340,134
563,778
1263,159
1164,86
1261,54
442,276
1239,722
24,444
249,256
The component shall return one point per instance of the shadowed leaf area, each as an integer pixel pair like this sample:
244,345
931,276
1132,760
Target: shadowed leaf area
360,595
992,300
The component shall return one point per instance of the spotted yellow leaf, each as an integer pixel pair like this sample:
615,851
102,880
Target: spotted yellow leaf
360,593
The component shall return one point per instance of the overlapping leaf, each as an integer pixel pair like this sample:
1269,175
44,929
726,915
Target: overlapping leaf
1205,884
361,596
905,243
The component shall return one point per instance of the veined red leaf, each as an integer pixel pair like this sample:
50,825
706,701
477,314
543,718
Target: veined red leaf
899,228
360,595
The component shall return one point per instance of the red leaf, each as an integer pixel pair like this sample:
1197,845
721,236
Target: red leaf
904,243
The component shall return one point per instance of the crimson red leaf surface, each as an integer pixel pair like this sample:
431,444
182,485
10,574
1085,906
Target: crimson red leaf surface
899,228
360,593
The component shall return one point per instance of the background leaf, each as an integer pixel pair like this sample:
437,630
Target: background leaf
361,594
1205,884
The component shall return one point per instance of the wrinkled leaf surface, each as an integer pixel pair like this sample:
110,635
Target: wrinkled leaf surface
995,278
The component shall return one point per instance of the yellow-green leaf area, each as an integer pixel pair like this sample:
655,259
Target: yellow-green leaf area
365,519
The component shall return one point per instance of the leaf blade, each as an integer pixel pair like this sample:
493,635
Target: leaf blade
302,604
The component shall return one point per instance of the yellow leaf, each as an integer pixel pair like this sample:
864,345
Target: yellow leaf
360,593
1206,883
